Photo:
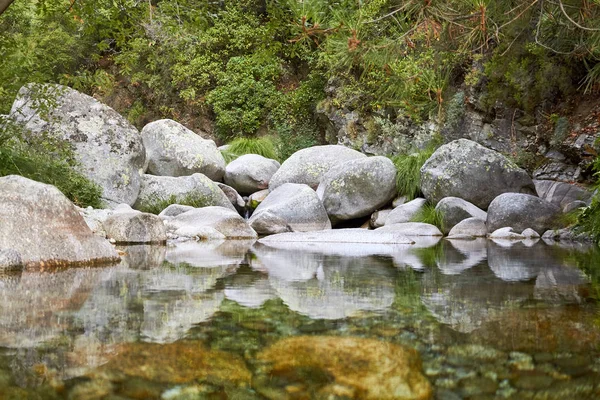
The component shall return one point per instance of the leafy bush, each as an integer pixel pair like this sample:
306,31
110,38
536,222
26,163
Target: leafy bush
262,146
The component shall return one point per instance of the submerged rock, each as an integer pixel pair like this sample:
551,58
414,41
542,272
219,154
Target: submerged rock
108,147
290,207
179,362
371,369
522,211
358,187
174,150
469,171
250,173
196,189
308,166
44,227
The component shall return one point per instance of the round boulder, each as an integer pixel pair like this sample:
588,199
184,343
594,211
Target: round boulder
358,187
291,206
135,227
465,169
308,166
174,150
108,148
45,228
250,173
405,212
454,210
199,221
158,192
473,227
522,211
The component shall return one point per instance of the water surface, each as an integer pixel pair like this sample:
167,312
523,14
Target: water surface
195,321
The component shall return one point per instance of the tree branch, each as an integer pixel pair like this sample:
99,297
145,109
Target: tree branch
562,8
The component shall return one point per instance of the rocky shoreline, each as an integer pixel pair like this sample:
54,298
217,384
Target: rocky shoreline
167,183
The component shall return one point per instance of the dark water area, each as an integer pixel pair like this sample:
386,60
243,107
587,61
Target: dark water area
241,320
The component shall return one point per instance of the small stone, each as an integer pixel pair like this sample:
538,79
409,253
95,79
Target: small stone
530,234
532,381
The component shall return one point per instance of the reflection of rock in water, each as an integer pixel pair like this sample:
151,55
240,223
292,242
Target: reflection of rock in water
461,255
143,256
31,307
252,294
518,262
480,295
560,285
209,254
168,320
326,286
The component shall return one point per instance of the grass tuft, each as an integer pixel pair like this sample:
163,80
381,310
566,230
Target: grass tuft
429,215
263,146
408,176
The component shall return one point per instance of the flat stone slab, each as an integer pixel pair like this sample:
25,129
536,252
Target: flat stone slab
362,236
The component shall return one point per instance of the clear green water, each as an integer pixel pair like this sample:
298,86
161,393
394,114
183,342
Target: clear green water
490,321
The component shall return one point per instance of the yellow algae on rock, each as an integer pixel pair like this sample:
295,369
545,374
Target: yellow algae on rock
376,370
179,362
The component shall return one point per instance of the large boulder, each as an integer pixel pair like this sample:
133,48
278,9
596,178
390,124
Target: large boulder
357,187
45,228
454,210
473,227
308,166
201,222
465,169
250,173
135,227
196,190
405,212
290,207
565,195
108,148
174,150
521,211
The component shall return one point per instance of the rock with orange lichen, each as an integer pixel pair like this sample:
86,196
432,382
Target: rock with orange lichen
366,368
179,362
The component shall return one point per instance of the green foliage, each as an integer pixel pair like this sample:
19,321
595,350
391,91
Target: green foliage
47,161
408,175
157,204
428,214
262,146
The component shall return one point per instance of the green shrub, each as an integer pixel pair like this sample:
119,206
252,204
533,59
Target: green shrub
156,205
408,167
429,215
47,161
262,146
